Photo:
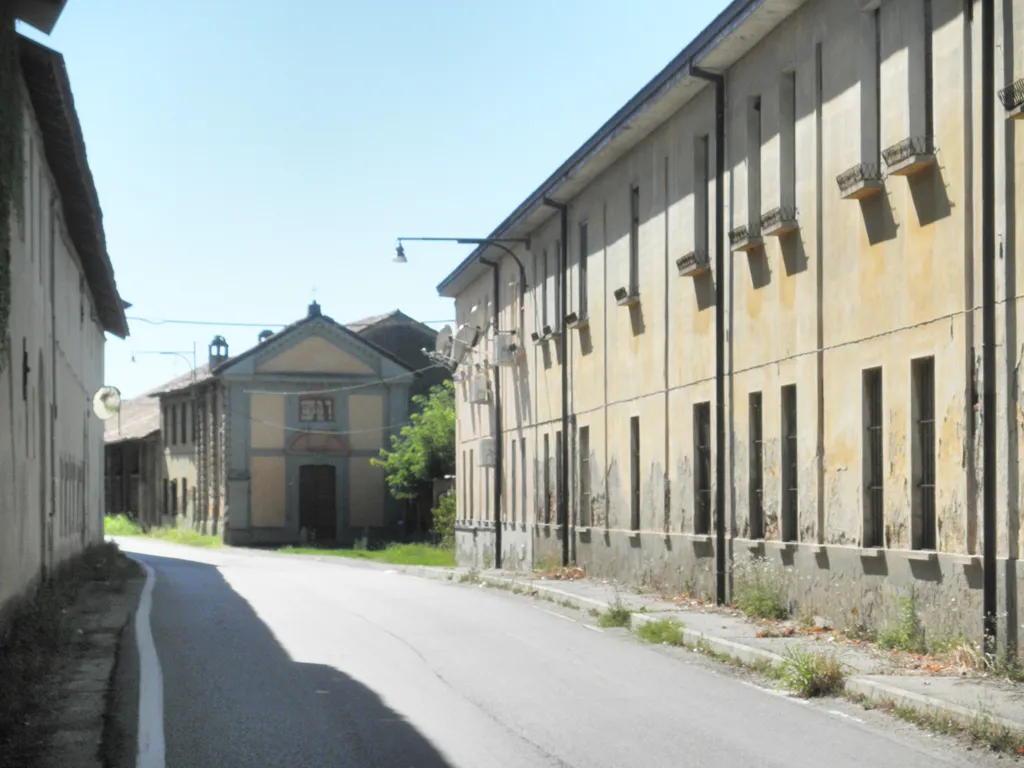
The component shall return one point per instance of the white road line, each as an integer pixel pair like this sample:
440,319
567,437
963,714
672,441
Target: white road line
845,716
545,610
595,629
151,683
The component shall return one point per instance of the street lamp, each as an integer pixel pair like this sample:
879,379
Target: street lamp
182,355
500,243
497,242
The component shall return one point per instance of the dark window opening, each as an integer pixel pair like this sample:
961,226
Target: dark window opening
583,246
634,239
874,497
634,473
923,382
584,454
702,463
756,427
790,494
547,480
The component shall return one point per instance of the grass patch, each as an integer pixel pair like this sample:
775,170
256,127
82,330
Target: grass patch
37,637
906,633
981,729
759,590
395,554
809,674
617,615
121,525
661,632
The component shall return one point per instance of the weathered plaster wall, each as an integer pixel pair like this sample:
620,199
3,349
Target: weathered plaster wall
875,283
51,444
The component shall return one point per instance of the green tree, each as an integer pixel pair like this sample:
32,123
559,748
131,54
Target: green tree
424,449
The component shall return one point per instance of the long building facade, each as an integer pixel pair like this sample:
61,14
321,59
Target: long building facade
58,299
850,322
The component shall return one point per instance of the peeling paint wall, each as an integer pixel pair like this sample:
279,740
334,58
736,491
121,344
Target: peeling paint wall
875,283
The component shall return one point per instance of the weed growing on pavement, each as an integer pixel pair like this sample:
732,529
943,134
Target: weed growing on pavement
810,674
905,634
980,729
661,632
759,589
617,615
469,577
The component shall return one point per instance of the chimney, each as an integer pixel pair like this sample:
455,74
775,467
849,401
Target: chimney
314,309
264,335
218,351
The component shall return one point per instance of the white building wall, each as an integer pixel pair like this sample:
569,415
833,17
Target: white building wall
51,445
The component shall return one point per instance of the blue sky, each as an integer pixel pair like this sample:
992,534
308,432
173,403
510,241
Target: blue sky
245,157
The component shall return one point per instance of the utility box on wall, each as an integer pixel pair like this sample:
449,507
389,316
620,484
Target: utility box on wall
487,452
479,393
505,349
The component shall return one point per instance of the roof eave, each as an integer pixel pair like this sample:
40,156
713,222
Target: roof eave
49,90
41,14
607,144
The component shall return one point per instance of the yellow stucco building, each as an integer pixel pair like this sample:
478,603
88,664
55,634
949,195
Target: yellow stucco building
848,321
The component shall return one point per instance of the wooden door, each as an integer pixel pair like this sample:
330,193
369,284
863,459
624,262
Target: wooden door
317,510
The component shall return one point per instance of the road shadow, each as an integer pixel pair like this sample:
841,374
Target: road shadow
234,698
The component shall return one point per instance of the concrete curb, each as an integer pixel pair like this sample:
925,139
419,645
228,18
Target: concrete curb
750,656
882,694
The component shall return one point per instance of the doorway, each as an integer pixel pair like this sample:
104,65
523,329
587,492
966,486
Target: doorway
317,510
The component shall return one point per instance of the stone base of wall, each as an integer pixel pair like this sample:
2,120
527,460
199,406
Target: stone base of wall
851,587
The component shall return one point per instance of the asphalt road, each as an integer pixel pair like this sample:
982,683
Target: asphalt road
271,661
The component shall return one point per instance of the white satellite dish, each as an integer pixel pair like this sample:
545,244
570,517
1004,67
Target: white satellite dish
465,338
443,343
106,403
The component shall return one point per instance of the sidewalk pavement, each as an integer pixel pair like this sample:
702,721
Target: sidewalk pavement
872,673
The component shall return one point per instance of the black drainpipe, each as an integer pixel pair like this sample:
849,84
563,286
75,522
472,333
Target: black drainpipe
720,558
563,351
499,439
988,318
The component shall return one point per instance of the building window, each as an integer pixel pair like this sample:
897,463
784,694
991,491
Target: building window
472,488
756,428
543,282
634,473
547,480
184,423
167,497
522,463
174,497
556,300
876,147
184,496
923,450
512,486
583,253
872,459
174,425
754,160
702,464
584,454
316,409
558,474
787,140
701,178
634,240
464,509
790,495
929,71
